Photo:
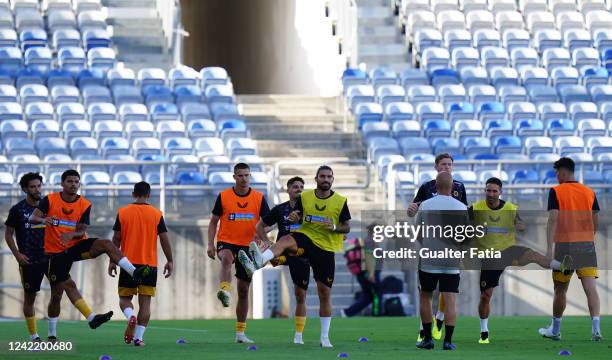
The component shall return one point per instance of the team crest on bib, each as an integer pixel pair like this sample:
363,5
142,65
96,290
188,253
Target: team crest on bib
67,212
320,208
494,219
241,205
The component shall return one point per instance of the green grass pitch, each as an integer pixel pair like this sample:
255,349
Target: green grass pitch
389,338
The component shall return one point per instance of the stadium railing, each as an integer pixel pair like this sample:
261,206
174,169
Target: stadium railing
390,188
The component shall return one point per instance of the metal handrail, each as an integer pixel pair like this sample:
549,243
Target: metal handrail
390,188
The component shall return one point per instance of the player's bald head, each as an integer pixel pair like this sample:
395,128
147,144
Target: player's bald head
444,183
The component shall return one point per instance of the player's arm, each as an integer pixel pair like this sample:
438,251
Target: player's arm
519,224
413,207
164,240
212,232
39,215
9,231
266,222
296,215
343,226
551,225
81,228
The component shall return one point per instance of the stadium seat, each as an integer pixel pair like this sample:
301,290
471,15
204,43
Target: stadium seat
213,75
83,146
209,146
51,145
219,94
114,146
133,112
201,128
70,111
420,93
240,146
44,128
139,128
538,144
507,144
398,111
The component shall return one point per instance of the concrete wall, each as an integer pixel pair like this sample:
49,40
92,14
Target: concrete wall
268,46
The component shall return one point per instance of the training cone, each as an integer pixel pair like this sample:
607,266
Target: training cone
363,339
565,352
252,347
343,355
181,341
105,357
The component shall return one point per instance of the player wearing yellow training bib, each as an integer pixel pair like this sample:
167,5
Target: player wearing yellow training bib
501,220
325,219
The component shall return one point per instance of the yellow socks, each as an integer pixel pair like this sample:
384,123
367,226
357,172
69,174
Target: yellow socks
240,327
31,323
300,323
225,286
83,308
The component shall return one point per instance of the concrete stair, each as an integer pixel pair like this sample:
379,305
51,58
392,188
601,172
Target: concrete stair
137,33
380,41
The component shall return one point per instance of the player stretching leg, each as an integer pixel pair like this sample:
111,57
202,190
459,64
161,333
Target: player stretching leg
298,265
65,215
136,230
237,211
502,220
325,219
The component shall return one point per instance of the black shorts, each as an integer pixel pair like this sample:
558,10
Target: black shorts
61,263
240,271
489,279
128,287
32,275
323,262
510,256
299,268
445,282
583,254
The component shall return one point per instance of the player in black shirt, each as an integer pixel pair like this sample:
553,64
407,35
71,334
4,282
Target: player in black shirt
443,163
299,267
29,251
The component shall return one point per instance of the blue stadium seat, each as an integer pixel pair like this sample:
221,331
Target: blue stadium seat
157,94
398,111
59,77
357,94
29,77
405,128
491,110
44,128
552,110
507,144
464,57
60,18
451,93
583,110
386,94
47,145
65,94
413,145
177,146
574,93
193,111
90,77
94,38
91,19
163,111
601,93
240,146
11,111
367,112
108,129
525,177
522,110
434,58
220,94
409,77
383,164
487,174
8,93
533,76
145,146
71,59
126,178
529,127
86,157
465,128
560,127
101,111
599,145
38,59
114,146
8,37
38,111
70,111
605,109
184,163
379,76
76,128
445,145
56,168
232,128
380,146
457,38
538,144
542,93
187,94
101,58
13,129
28,163
353,76
503,76
420,93
591,127
126,94
32,37
201,128
429,110
133,112
64,37
209,146
564,75
566,145
221,111
123,162
33,93
170,128
139,128
83,146
441,77
436,128
96,94
523,57
480,94
213,75
218,163
183,76
465,176
471,76
116,77
95,178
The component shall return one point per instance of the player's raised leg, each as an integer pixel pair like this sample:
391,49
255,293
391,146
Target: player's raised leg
286,243
104,246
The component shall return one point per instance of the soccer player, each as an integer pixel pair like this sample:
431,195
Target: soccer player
443,163
325,219
65,215
237,211
30,253
298,266
441,210
136,230
572,224
501,220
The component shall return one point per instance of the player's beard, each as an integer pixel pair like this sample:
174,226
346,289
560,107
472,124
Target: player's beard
324,186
